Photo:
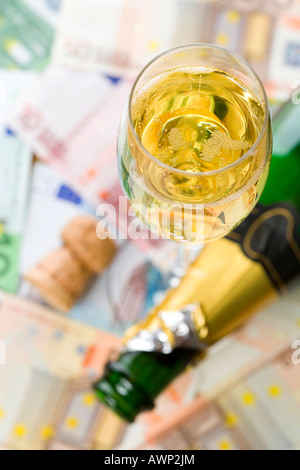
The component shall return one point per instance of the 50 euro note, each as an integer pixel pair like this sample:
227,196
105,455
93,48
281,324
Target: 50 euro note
243,396
257,407
55,361
121,36
46,397
260,411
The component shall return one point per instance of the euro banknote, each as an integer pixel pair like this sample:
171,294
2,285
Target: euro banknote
48,10
13,83
70,120
15,167
16,161
116,299
245,394
52,204
252,404
259,412
46,398
76,134
119,37
25,36
55,361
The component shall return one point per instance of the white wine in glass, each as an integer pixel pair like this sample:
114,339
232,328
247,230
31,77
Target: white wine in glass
195,143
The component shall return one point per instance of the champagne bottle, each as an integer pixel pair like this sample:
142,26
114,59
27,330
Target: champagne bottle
283,183
230,281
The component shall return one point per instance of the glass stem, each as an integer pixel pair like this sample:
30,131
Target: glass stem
186,254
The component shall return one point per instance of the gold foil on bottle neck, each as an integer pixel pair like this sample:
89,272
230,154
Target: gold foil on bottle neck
227,286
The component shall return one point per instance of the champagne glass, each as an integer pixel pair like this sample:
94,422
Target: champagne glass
195,144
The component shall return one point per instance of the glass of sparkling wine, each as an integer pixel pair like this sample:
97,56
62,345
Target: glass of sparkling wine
195,143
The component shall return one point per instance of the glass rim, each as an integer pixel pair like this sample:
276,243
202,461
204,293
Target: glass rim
219,170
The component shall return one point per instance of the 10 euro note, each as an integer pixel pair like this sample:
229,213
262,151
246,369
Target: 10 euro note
26,34
15,164
70,120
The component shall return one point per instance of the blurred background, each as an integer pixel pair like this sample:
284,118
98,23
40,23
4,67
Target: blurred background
66,68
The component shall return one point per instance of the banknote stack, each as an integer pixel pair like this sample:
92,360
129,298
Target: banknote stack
66,69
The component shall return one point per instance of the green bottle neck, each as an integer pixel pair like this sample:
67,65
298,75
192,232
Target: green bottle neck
283,182
131,384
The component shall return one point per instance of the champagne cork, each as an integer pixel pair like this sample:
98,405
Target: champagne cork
80,235
61,278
